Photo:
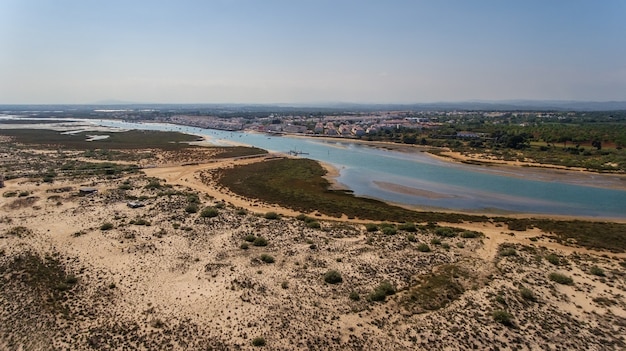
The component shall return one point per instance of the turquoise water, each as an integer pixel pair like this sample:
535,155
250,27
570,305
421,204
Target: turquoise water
366,171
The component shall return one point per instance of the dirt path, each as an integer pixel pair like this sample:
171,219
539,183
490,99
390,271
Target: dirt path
189,176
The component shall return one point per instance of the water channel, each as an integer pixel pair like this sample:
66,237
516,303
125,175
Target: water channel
418,179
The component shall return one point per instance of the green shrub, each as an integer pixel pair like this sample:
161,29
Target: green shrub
140,221
191,208
595,270
267,258
243,246
561,278
271,215
370,227
209,212
354,296
435,241
527,294
301,217
503,317
554,259
411,237
260,241
153,184
389,230
314,225
508,251
333,277
249,238
445,232
106,226
258,341
408,227
193,199
423,247
381,292
469,234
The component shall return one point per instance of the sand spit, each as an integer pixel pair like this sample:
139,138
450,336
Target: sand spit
88,272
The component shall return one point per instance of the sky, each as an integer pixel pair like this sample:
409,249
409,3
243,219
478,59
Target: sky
311,51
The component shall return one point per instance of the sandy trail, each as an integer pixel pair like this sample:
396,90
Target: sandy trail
189,176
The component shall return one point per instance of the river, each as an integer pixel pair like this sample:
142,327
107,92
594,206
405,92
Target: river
418,179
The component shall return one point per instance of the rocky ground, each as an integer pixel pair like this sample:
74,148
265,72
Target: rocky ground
194,270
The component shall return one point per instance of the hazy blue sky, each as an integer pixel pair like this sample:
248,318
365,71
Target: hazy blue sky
183,51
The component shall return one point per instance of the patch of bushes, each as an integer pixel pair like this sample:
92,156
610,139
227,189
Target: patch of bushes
503,317
333,277
271,215
437,289
258,341
106,226
191,208
507,251
423,247
209,212
527,294
153,184
445,232
354,296
561,278
470,234
371,227
554,259
267,258
595,270
314,225
381,292
389,230
408,227
249,238
260,241
140,221
411,237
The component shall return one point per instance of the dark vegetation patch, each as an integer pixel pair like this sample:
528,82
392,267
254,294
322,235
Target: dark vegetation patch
238,151
437,289
561,278
299,184
132,139
596,235
42,280
381,292
333,277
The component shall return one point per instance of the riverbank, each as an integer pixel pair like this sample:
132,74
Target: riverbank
481,162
